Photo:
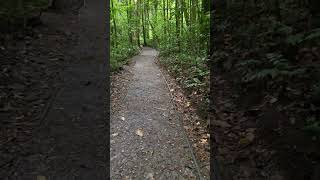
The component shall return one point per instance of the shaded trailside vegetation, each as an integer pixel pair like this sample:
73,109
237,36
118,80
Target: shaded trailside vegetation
265,61
17,14
23,15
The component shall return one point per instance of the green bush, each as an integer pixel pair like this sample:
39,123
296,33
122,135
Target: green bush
190,69
120,55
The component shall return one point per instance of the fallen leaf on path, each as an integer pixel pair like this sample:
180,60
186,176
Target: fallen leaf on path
161,109
150,176
114,134
203,141
273,100
188,104
139,132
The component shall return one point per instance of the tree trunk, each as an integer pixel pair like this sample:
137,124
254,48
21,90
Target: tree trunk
114,25
129,22
164,17
138,25
185,11
177,14
143,25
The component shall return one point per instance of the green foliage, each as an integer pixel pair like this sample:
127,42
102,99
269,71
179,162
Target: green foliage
194,82
191,71
268,52
313,127
295,39
119,56
278,69
314,34
272,48
303,37
121,48
315,94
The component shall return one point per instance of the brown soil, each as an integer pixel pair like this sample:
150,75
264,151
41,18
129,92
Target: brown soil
255,139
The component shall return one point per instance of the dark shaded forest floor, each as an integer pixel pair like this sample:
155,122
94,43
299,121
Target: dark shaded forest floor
253,139
53,124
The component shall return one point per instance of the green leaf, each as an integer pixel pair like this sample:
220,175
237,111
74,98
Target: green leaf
295,39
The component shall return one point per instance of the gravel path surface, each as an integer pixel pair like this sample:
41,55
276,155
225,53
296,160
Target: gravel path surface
147,141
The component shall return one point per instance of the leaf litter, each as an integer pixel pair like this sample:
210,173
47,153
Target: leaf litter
197,131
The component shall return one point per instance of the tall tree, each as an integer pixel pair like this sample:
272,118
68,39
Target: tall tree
177,13
114,23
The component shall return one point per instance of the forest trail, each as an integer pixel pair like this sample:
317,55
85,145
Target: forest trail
147,140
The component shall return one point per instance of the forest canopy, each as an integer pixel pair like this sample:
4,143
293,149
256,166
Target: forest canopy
172,26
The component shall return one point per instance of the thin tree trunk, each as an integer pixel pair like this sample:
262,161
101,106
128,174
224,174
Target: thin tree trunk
129,21
114,25
185,11
138,23
143,25
177,13
147,20
164,17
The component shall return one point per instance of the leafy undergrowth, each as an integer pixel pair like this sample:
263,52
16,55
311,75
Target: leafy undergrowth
120,56
266,99
188,79
119,85
192,74
193,124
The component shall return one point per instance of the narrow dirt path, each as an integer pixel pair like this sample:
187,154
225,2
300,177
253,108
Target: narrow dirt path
147,140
